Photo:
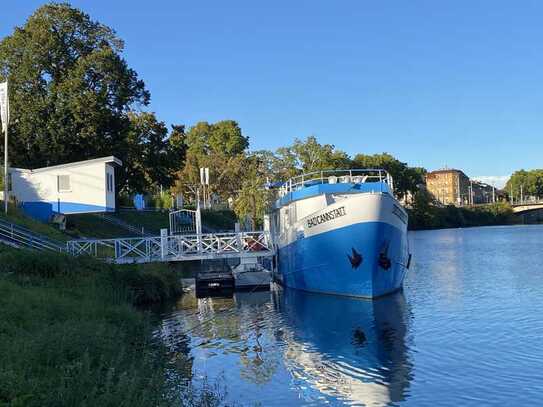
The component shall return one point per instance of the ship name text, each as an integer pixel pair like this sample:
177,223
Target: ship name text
325,217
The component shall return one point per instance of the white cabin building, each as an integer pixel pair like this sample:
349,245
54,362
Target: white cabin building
80,187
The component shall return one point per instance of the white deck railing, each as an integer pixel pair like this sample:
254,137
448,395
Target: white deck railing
356,176
175,248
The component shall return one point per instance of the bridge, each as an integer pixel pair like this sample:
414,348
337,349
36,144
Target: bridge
168,248
527,206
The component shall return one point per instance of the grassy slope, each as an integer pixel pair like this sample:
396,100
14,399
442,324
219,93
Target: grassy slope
152,222
91,226
70,335
219,220
16,216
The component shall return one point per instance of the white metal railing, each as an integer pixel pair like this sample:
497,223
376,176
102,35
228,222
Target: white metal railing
21,237
174,247
356,176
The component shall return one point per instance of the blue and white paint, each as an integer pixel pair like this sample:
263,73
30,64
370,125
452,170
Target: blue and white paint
347,239
80,187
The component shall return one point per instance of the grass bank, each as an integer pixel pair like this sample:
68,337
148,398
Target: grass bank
91,226
220,220
16,215
70,332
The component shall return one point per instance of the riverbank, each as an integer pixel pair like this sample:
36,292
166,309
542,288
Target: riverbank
427,216
70,332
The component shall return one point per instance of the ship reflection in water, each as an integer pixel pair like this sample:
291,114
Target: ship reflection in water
351,349
289,347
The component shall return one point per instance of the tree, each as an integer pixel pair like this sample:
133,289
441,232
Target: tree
313,156
177,148
423,213
71,89
531,183
406,179
149,153
253,199
221,147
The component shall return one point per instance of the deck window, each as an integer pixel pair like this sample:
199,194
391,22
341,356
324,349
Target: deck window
63,182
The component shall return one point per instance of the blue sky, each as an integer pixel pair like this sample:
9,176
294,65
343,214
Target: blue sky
457,83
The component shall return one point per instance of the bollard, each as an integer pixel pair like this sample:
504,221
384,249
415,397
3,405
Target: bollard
163,243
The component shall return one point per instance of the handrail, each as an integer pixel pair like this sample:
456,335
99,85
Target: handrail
22,237
174,247
325,176
139,231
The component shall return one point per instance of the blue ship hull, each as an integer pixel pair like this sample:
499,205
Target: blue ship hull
363,260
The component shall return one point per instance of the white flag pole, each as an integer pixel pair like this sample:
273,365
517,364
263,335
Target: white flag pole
6,178
4,112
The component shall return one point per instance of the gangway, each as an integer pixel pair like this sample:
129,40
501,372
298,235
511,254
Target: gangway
167,248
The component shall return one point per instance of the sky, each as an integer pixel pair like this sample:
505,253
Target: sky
437,84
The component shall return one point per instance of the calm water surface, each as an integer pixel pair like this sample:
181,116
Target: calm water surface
467,330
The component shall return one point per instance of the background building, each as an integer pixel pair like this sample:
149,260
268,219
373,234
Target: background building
449,186
483,193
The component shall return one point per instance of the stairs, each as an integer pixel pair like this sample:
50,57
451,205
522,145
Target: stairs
138,231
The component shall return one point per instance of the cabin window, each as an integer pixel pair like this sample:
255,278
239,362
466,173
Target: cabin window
10,183
63,183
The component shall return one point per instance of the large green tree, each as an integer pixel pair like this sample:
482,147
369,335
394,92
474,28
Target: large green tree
253,199
71,89
302,156
152,157
530,182
221,147
313,156
406,179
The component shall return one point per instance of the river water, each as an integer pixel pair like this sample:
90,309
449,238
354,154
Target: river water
467,330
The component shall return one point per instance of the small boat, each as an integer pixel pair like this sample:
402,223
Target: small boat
251,275
340,232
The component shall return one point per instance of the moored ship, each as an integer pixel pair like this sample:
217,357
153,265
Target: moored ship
340,232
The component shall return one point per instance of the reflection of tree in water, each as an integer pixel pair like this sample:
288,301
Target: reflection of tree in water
231,326
259,360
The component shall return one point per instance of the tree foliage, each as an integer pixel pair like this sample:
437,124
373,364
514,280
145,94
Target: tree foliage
253,199
406,179
73,97
531,183
152,158
70,88
221,147
313,156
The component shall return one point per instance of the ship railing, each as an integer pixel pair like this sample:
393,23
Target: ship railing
355,176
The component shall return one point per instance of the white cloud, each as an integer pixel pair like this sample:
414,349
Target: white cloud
497,180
